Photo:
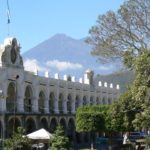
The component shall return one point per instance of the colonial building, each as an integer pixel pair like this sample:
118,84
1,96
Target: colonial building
33,101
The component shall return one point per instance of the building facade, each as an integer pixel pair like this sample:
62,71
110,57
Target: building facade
33,101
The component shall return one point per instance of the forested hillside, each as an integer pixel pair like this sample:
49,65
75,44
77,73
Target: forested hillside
123,78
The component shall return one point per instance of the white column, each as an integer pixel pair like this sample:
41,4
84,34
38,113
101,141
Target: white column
56,111
56,102
73,103
20,96
2,104
20,104
81,99
35,104
65,111
88,98
94,99
46,105
3,97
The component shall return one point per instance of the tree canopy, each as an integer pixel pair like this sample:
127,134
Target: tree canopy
125,32
92,118
60,141
133,107
18,141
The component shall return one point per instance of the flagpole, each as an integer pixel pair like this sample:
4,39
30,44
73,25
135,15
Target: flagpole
8,18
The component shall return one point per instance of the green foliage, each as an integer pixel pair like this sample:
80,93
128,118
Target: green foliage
147,141
92,118
123,112
60,141
125,34
18,141
141,90
133,107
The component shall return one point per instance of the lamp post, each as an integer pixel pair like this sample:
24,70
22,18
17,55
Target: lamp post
16,93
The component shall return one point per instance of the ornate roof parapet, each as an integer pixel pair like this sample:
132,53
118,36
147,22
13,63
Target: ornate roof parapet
10,53
88,77
56,76
117,87
80,80
46,74
65,77
99,83
111,85
73,79
106,85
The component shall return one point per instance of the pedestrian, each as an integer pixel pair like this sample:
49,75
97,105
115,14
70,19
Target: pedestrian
125,138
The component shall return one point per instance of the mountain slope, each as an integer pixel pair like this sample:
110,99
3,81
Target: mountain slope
71,54
123,78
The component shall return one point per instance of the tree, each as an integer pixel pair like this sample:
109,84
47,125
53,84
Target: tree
60,141
18,141
133,107
122,33
123,112
91,119
141,90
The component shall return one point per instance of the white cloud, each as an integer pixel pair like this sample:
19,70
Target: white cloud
63,65
105,68
33,65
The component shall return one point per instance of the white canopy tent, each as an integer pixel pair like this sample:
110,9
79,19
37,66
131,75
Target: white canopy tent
40,134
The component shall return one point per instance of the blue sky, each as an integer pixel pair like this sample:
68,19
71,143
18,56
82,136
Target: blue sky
33,21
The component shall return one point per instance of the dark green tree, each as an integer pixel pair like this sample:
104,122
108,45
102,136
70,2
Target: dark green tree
91,119
60,141
133,107
123,112
122,33
126,34
141,90
18,141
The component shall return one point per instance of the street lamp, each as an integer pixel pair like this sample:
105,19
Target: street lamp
16,77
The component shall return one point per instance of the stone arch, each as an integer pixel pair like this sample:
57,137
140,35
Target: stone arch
44,123
62,123
109,101
84,100
28,99
103,100
69,102
77,102
60,103
30,125
53,125
11,98
97,100
13,124
71,129
41,102
51,102
91,100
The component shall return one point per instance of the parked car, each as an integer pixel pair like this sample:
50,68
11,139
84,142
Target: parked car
133,136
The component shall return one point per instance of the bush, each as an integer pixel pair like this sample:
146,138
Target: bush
17,141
